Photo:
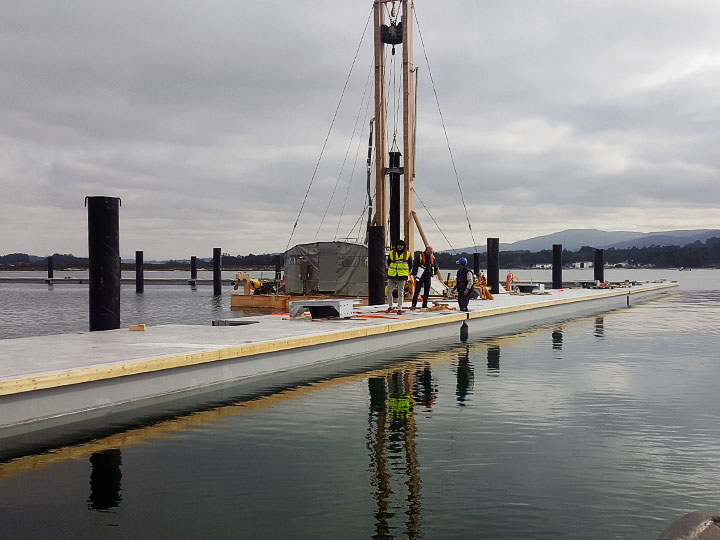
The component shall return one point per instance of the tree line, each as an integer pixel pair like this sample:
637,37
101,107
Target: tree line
696,255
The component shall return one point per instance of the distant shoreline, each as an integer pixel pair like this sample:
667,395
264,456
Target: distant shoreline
207,267
131,267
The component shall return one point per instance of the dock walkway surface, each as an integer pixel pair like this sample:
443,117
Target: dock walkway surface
55,379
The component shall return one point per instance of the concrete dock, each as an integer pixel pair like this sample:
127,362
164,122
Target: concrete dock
49,381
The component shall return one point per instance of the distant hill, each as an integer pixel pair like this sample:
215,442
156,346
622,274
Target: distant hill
670,238
574,239
59,259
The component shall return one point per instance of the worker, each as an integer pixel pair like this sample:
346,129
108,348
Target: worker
464,282
398,272
424,268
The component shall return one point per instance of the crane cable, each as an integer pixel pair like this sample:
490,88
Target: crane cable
357,151
347,153
332,123
362,214
435,222
447,139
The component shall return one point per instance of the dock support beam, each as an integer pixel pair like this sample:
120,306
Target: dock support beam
376,265
420,230
193,269
557,266
104,258
599,266
217,271
395,199
493,265
380,117
476,263
409,126
139,272
50,267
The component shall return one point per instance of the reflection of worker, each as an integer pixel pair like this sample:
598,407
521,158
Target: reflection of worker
424,268
400,407
398,272
463,283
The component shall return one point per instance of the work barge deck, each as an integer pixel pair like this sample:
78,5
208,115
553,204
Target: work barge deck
49,383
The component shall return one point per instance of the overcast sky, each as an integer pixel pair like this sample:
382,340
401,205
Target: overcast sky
207,120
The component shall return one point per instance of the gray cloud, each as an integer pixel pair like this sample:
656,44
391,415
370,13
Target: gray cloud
207,120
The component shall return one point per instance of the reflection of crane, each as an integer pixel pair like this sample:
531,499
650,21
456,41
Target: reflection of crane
423,389
391,437
376,445
465,376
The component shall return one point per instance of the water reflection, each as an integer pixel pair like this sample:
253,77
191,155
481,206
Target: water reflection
464,333
424,387
493,360
557,339
391,443
626,459
465,376
217,303
599,327
105,480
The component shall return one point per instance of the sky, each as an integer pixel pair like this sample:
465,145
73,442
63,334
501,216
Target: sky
207,119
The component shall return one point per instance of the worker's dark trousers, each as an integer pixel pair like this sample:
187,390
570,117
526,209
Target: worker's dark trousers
463,300
425,284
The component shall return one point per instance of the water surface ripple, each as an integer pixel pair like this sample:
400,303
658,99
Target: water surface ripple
603,427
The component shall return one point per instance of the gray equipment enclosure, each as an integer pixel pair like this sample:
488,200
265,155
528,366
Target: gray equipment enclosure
327,268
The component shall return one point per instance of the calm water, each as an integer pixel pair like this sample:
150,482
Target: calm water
596,428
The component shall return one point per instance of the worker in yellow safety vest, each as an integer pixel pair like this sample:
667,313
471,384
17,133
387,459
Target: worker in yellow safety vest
398,272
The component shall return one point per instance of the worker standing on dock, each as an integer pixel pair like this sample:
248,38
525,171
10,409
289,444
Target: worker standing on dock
464,282
398,272
424,268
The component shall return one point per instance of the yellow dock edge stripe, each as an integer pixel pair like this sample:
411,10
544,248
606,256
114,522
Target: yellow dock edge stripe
135,367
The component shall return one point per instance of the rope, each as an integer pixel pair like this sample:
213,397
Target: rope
362,215
447,139
396,108
347,152
435,222
322,151
357,151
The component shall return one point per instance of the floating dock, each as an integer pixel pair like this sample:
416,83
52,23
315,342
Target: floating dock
55,380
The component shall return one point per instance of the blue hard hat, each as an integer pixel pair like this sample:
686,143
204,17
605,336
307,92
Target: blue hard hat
461,260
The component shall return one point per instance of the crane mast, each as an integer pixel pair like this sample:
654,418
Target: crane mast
395,33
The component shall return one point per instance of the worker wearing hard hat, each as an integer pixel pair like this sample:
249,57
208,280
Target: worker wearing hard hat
424,268
399,262
464,282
